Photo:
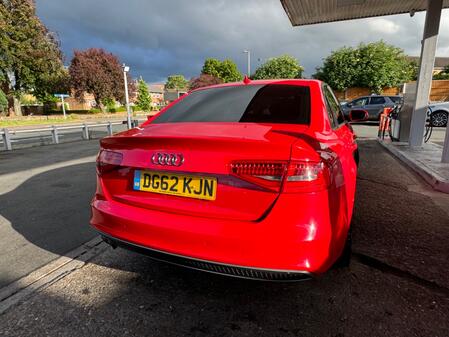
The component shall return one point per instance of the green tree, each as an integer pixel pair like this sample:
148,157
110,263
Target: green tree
284,66
226,70
341,69
50,84
374,65
143,95
176,82
3,102
382,65
444,75
29,53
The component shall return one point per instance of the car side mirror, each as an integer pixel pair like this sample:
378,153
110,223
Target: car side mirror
358,115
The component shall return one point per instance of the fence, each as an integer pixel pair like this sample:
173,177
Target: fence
54,131
438,93
352,93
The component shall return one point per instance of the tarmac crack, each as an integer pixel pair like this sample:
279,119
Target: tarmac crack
386,268
383,184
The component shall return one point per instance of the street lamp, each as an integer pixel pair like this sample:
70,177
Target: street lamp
128,111
248,52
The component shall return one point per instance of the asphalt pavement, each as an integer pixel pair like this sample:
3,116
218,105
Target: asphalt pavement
33,139
44,204
397,284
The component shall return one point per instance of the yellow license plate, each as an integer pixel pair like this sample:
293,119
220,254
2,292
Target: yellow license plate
176,184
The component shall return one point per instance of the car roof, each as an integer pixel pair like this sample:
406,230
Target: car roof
300,82
367,96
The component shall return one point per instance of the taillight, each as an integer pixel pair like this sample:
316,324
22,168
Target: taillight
305,176
292,176
108,160
265,174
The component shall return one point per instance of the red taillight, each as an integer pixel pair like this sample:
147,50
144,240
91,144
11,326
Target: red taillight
108,160
268,174
291,176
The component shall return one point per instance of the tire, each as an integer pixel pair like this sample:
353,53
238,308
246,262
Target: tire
345,258
439,118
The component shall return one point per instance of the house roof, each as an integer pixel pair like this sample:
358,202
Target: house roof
440,62
307,12
156,88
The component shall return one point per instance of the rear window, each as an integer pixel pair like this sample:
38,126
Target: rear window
271,103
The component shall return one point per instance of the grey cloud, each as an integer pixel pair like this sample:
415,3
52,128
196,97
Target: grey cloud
157,38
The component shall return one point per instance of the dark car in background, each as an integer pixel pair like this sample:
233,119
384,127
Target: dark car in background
373,104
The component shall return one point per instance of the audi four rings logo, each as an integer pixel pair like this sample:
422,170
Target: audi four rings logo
167,159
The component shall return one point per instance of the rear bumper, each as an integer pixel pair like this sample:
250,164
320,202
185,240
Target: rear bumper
296,237
212,267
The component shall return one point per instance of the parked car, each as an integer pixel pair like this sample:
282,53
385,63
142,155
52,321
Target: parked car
440,113
373,104
253,180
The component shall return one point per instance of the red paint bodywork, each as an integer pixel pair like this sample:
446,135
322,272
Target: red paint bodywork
293,230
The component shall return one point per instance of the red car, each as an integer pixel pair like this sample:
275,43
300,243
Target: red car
253,179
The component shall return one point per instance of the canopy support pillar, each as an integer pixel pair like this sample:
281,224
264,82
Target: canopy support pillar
424,83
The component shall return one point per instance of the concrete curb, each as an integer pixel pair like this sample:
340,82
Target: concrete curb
21,289
437,182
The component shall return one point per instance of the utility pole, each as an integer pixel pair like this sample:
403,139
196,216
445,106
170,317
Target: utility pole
128,111
248,52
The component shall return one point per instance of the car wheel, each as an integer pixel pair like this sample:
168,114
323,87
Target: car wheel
345,258
439,118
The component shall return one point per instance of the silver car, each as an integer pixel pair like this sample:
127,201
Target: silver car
373,104
440,113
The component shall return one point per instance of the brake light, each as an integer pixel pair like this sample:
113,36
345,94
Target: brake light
289,176
108,160
268,175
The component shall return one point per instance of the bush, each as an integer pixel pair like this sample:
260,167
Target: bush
52,111
95,111
48,112
118,109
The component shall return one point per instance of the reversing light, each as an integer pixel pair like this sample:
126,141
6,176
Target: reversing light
306,171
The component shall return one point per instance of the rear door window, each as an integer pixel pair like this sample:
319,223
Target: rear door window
360,101
333,108
376,100
395,99
273,103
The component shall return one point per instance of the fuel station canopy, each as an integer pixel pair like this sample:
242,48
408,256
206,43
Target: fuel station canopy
308,12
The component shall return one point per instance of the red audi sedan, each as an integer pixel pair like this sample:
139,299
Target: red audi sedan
253,179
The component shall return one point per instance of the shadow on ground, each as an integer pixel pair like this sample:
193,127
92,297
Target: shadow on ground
51,212
122,293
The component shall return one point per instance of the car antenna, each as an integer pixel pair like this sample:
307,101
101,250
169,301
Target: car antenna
246,79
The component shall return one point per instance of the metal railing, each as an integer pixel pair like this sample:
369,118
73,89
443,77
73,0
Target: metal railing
54,131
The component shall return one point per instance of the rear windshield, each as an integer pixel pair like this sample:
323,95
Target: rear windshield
273,103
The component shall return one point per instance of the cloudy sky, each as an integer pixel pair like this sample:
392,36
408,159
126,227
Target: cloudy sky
162,37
